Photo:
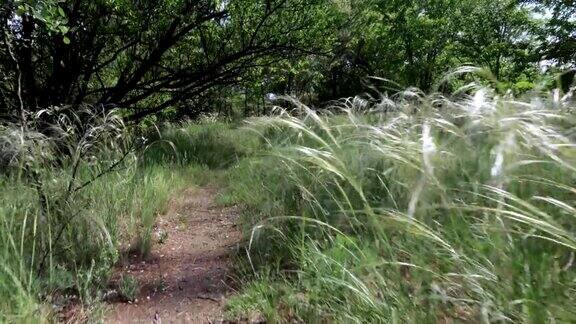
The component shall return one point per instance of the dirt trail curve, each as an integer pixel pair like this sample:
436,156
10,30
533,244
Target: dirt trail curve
185,280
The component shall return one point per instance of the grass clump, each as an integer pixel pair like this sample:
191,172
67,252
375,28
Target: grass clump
79,191
415,207
128,288
73,194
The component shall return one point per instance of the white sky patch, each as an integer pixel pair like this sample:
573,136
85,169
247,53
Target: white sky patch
15,23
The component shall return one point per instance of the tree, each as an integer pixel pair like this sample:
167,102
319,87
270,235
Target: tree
415,43
498,35
146,56
559,42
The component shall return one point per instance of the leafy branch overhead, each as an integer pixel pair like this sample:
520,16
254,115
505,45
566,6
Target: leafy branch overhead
147,56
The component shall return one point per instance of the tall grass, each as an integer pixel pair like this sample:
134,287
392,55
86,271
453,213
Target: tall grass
74,193
79,190
410,208
212,144
414,208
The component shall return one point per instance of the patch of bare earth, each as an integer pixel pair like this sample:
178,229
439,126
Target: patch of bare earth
186,278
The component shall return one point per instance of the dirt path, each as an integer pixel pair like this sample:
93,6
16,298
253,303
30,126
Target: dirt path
185,280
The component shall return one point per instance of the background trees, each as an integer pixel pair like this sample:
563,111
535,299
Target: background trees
559,39
147,57
416,42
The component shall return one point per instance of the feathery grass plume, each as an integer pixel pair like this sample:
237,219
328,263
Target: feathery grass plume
416,207
71,196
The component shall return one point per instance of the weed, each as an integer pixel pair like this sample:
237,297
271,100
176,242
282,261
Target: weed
159,286
128,288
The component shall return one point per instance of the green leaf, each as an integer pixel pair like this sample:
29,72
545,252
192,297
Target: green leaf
21,10
61,12
66,40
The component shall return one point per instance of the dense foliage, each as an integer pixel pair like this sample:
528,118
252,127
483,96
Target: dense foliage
148,57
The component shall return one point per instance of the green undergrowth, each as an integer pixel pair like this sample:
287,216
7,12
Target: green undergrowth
66,219
112,215
411,209
212,144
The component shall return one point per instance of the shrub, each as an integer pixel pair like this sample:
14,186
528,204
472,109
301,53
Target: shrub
213,144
